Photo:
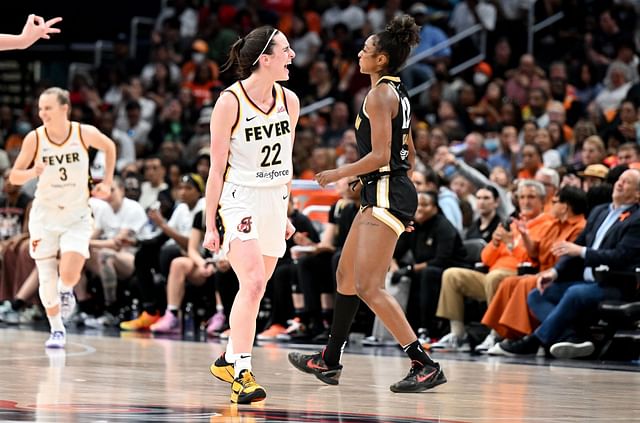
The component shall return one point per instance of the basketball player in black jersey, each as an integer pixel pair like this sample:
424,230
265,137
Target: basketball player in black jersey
389,201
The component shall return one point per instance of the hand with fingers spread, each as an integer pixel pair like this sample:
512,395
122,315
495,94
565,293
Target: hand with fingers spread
34,29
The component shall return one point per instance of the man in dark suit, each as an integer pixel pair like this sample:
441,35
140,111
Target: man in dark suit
567,294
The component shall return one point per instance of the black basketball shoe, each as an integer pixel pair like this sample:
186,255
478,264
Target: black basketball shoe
314,364
420,378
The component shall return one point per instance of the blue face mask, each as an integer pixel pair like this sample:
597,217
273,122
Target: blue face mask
492,144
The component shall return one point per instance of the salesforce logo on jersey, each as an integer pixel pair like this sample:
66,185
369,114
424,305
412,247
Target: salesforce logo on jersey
272,174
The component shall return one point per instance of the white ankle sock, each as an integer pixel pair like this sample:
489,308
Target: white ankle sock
64,288
228,354
56,323
457,328
243,362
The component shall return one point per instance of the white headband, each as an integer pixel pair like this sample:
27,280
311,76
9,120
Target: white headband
265,47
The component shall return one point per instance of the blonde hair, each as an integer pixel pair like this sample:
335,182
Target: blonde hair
596,141
61,94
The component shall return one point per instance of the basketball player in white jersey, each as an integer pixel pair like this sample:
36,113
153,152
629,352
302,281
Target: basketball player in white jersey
252,129
60,224
34,29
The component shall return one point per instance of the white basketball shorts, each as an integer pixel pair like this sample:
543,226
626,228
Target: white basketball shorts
52,230
255,213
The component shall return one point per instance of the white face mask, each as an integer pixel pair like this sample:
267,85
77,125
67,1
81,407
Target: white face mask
480,78
198,57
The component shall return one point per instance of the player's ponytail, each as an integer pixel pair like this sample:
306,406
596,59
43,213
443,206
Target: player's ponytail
245,53
396,41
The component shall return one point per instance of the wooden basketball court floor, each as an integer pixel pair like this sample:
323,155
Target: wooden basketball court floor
138,378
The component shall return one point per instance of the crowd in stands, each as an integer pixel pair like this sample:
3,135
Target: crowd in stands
515,156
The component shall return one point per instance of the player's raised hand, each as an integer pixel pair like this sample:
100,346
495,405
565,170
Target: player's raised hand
36,27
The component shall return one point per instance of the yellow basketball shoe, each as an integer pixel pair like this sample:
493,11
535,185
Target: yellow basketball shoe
222,369
245,389
142,322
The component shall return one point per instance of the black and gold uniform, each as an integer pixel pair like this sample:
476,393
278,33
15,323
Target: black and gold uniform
389,191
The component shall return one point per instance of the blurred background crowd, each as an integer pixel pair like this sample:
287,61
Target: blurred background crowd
495,102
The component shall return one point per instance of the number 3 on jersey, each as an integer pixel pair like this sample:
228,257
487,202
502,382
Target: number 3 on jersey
267,151
63,174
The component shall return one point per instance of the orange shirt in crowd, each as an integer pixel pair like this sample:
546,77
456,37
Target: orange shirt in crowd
501,257
308,174
553,231
508,313
525,174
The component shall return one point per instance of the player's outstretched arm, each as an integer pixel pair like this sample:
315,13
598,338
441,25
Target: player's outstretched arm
34,29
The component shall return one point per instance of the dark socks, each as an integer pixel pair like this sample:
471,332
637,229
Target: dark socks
113,309
416,353
86,306
345,309
17,304
150,308
302,314
327,315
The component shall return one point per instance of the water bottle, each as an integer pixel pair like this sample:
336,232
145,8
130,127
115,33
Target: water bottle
202,335
200,325
134,309
189,321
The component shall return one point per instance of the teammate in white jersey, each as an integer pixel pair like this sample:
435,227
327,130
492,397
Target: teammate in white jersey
252,129
34,29
60,224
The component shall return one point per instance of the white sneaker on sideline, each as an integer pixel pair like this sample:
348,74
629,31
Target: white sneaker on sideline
106,320
496,350
485,345
572,349
451,342
5,306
